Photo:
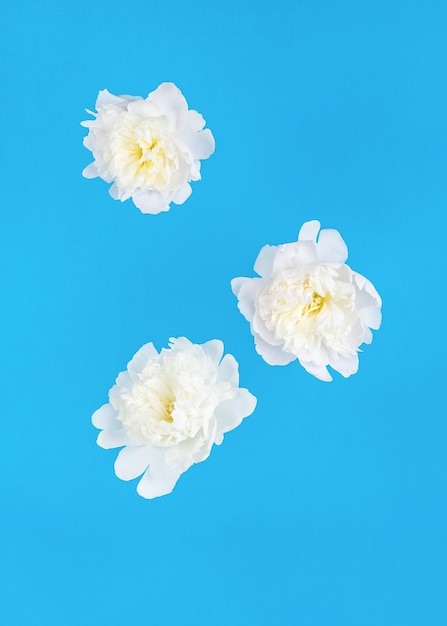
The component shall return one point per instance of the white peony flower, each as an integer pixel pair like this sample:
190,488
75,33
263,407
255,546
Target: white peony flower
150,149
308,305
169,409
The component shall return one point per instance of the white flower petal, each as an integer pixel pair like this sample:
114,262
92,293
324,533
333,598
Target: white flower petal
140,359
193,121
319,371
316,353
264,262
246,290
228,371
367,336
143,108
309,231
230,413
123,381
132,461
105,98
194,173
114,192
346,366
182,194
364,299
112,439
105,418
331,247
367,289
91,171
303,253
371,316
201,144
180,344
182,456
158,480
273,355
169,98
203,452
214,349
236,284
151,202
259,327
287,254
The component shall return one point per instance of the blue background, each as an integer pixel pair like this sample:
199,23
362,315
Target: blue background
328,505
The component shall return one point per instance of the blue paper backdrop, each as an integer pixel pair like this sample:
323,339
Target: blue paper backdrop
327,506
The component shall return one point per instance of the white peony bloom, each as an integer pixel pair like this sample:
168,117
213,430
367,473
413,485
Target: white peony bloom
308,305
168,409
150,149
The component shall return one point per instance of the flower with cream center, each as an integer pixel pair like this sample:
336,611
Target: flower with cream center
142,156
308,304
149,149
168,409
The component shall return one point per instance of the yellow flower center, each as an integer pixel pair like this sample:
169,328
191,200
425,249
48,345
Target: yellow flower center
314,306
171,400
142,156
167,409
305,307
